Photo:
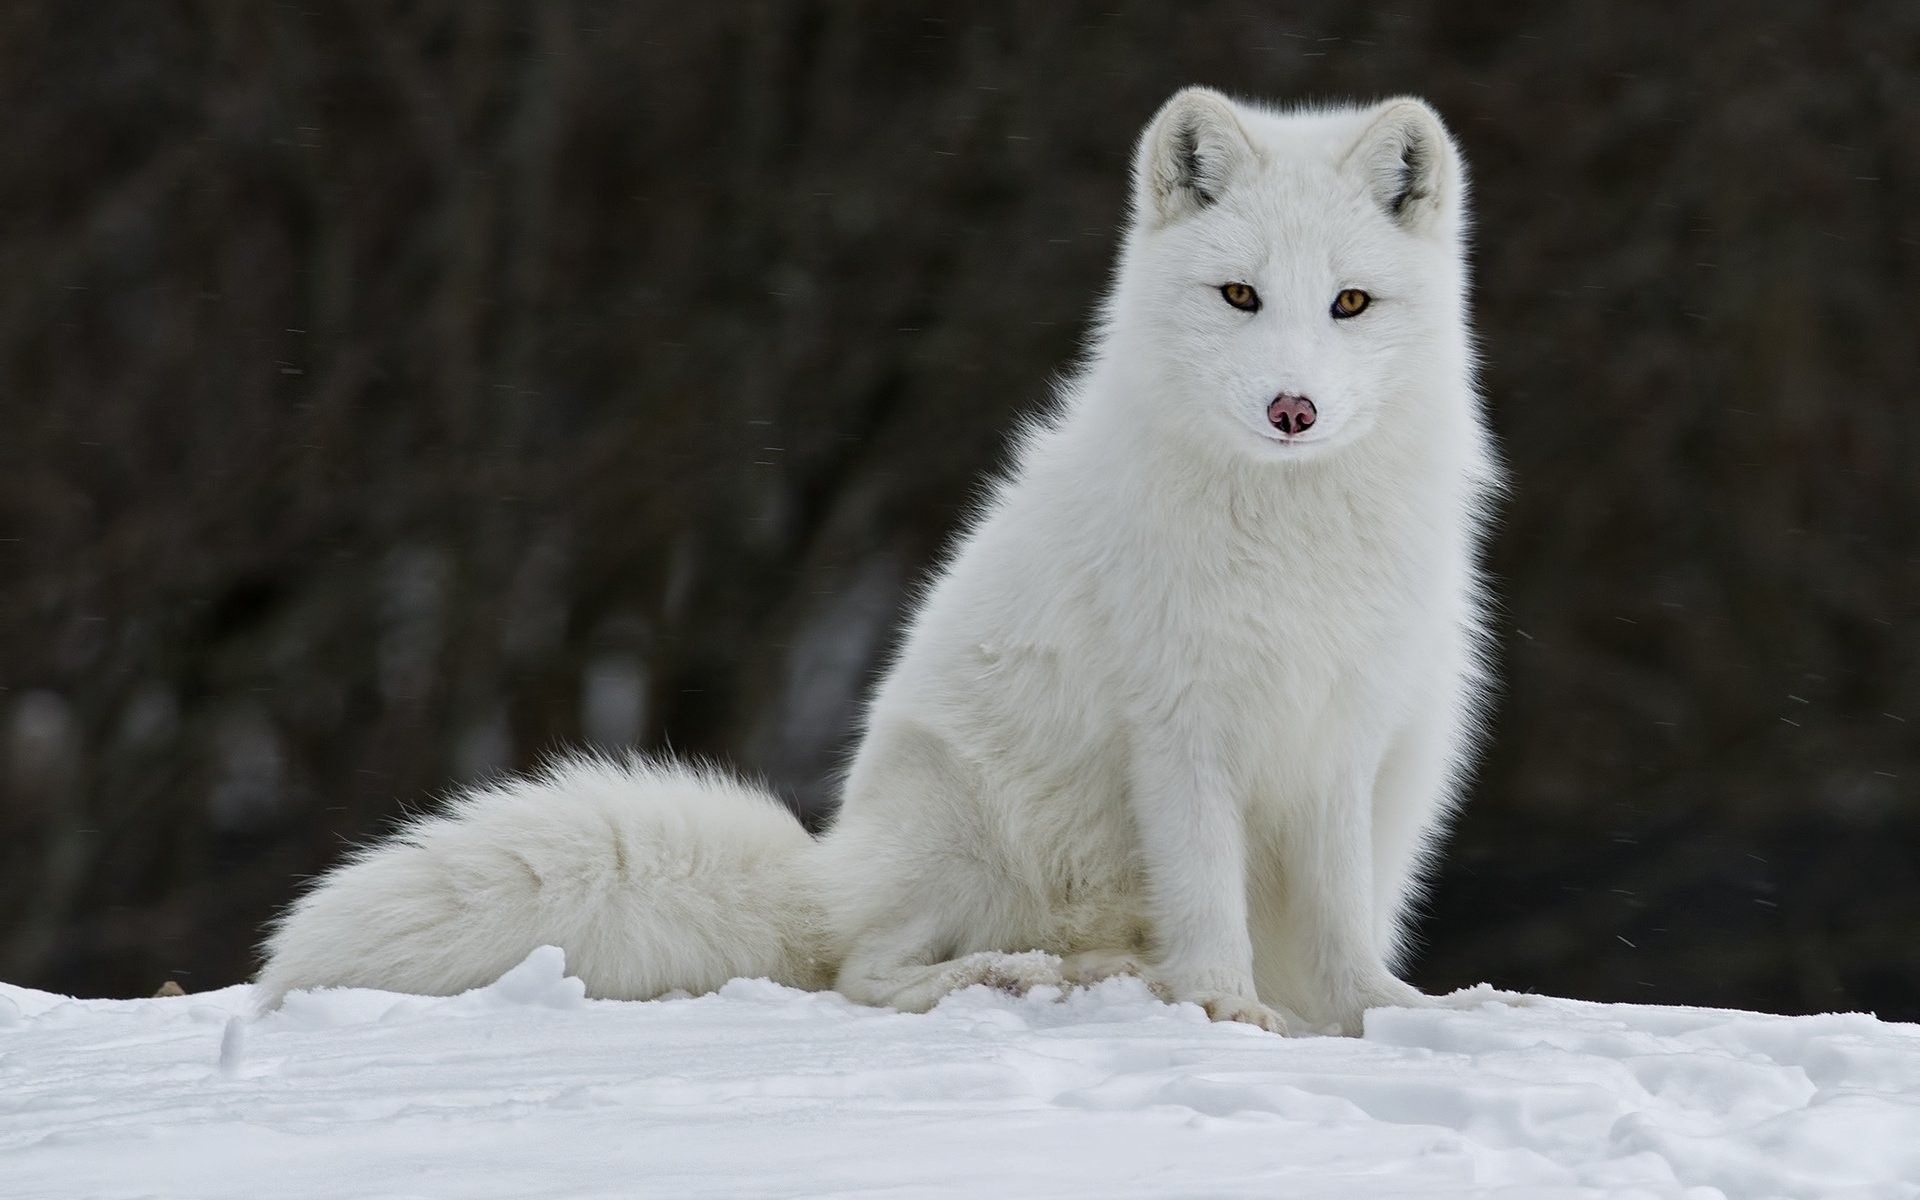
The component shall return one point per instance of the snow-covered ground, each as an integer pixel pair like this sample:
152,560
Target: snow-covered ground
524,1089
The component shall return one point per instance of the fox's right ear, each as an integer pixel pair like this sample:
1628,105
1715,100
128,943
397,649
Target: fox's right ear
1192,149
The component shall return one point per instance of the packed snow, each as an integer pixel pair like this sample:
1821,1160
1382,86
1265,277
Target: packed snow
526,1089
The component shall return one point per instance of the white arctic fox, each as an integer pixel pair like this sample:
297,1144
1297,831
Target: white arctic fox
1191,699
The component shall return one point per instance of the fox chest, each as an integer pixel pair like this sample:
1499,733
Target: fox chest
1284,645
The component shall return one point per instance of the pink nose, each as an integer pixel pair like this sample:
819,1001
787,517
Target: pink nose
1292,415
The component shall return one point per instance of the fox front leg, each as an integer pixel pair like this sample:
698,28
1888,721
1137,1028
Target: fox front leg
1328,868
1193,844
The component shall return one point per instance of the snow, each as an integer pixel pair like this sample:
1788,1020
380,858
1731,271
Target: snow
526,1089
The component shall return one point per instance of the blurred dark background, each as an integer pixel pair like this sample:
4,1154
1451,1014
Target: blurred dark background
392,393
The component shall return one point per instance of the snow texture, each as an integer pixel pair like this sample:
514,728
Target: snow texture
527,1089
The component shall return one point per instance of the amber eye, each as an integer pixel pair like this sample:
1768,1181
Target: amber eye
1351,303
1241,297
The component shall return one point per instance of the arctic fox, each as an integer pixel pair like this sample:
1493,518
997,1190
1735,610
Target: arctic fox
1190,700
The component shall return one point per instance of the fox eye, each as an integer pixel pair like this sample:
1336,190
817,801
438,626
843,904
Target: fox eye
1241,297
1350,303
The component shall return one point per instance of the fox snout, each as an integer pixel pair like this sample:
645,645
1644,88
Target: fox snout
1292,415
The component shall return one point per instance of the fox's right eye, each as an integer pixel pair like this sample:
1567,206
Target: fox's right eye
1241,297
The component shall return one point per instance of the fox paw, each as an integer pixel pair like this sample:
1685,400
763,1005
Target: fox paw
1227,1006
1087,969
1014,974
1228,996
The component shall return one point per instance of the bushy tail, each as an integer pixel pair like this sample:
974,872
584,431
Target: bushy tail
653,877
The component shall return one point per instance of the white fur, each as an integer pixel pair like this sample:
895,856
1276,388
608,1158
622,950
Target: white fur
1189,699
653,878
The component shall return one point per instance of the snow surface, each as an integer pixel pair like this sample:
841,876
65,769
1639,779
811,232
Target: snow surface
526,1089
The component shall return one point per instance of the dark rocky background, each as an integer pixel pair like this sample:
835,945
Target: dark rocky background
394,392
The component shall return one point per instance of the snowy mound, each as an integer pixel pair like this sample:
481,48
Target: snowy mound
525,1088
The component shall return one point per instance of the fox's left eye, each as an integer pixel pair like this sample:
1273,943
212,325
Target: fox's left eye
1350,303
1240,296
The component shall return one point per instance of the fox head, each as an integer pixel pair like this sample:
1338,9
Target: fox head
1291,280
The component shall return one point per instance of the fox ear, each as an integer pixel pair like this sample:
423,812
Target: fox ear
1191,151
1408,162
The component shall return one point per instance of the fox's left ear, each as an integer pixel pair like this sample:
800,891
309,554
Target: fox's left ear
1409,163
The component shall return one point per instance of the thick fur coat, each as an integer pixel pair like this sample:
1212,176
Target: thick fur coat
1191,699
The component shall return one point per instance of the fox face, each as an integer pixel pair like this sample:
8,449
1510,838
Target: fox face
1290,275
